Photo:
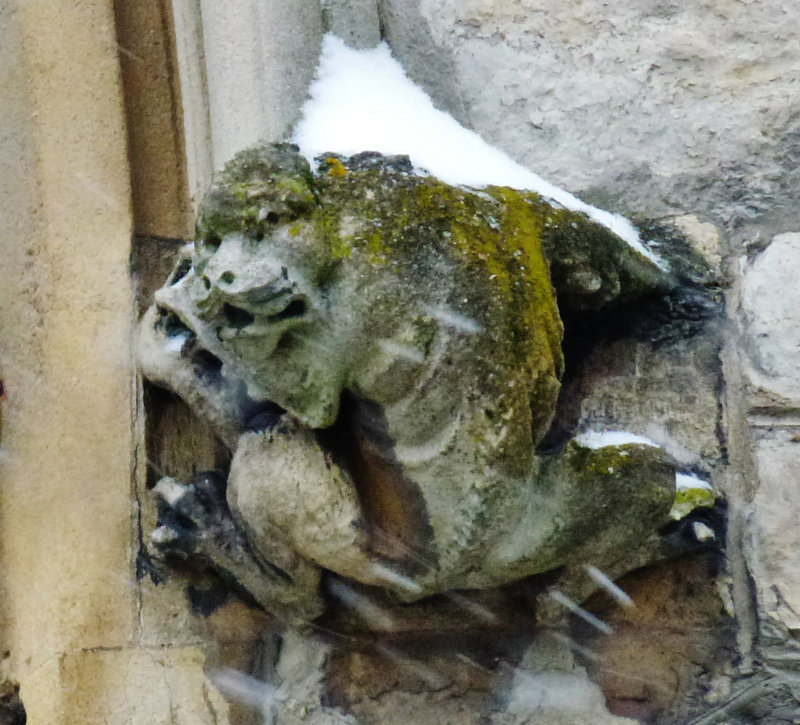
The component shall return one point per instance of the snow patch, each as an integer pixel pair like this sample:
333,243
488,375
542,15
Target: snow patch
362,100
448,318
703,532
175,343
595,439
684,481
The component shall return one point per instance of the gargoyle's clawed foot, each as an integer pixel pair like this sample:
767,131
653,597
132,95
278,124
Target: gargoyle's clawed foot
194,521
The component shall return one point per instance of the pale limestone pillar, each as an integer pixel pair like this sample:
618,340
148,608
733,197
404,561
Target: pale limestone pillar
244,67
68,605
770,322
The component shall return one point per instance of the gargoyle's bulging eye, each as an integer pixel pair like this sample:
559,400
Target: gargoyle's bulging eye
236,316
211,243
296,308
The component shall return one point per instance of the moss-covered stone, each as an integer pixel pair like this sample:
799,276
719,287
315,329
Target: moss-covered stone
688,499
414,325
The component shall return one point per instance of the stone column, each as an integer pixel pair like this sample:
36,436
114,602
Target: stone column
244,68
770,319
68,605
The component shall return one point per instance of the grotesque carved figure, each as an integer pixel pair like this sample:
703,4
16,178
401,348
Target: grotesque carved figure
382,353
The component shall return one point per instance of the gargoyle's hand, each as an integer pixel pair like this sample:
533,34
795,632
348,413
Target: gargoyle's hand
192,517
195,522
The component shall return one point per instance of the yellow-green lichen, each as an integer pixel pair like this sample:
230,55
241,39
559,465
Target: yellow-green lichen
689,499
335,167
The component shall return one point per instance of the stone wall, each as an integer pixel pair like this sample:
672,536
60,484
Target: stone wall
684,112
665,109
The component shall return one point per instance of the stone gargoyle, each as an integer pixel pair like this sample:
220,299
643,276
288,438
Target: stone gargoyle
382,353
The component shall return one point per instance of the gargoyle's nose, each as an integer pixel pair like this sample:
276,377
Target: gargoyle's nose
222,280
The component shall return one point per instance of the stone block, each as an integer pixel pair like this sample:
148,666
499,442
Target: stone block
667,393
771,320
354,21
154,119
643,106
260,58
156,686
773,538
65,231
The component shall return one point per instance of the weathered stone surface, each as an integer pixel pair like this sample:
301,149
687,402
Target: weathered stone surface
549,686
154,120
667,649
773,533
300,674
653,106
461,669
65,364
771,318
259,58
161,686
354,21
667,392
415,324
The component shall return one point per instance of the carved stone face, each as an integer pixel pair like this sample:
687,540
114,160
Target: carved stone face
265,322
252,294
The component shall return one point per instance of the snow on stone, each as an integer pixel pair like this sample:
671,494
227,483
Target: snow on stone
600,439
362,100
703,532
684,481
606,583
175,342
452,319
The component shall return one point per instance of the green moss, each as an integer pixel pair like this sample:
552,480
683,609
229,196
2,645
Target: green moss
328,228
397,234
688,499
413,228
259,188
615,461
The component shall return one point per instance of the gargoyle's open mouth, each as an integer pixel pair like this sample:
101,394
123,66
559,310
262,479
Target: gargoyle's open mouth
297,307
207,365
172,325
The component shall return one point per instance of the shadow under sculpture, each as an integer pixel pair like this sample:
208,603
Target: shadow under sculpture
382,353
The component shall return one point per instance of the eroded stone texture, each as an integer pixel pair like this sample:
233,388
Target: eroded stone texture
162,685
775,536
415,325
354,21
660,662
653,106
666,391
771,318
